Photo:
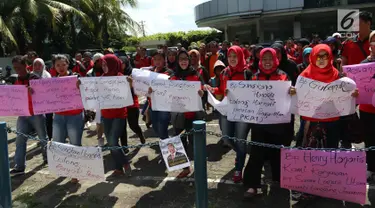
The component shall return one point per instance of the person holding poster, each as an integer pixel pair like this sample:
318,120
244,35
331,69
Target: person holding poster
320,133
184,71
27,124
114,120
67,123
278,134
236,70
367,118
133,111
160,120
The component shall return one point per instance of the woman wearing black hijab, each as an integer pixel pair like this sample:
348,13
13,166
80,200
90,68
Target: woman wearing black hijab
286,65
255,54
133,111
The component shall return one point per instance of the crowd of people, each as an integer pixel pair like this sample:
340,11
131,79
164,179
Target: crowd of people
213,65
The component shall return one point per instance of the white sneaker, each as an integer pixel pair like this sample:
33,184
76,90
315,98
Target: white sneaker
101,142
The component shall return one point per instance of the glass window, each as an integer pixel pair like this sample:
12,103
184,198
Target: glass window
360,1
309,4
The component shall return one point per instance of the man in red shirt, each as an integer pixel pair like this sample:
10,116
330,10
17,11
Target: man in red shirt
27,124
356,49
142,60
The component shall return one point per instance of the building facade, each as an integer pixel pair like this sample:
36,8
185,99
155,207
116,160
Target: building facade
268,20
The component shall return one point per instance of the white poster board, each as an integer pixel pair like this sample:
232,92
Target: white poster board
221,106
83,163
321,100
259,102
176,96
142,80
174,154
105,92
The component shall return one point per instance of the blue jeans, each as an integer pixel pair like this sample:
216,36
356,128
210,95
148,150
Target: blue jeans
68,126
239,130
26,124
160,122
144,108
113,130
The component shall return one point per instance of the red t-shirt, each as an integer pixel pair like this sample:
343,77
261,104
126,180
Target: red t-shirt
53,72
354,55
225,76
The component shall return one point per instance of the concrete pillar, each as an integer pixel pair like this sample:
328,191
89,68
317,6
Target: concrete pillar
226,33
297,29
260,31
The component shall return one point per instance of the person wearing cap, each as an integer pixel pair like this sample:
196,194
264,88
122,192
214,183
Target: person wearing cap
334,44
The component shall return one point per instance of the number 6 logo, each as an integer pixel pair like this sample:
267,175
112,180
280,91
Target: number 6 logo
348,20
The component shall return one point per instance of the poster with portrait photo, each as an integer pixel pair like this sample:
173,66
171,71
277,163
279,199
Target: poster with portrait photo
174,154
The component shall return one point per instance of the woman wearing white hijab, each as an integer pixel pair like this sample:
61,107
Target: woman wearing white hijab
39,68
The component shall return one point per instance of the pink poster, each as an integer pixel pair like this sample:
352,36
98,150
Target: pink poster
14,100
55,95
363,76
336,175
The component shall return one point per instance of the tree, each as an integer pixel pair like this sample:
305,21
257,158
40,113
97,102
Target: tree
21,21
110,20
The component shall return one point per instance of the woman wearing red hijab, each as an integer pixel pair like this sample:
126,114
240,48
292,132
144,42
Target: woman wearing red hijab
278,134
114,120
328,130
235,71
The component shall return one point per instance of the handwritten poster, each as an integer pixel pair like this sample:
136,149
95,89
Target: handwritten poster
221,106
337,175
363,76
321,100
174,154
142,80
55,95
105,92
14,100
176,96
260,102
83,163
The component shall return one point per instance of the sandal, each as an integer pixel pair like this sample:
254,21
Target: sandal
250,193
184,173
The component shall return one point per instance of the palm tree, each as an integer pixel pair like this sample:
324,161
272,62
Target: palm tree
18,17
108,18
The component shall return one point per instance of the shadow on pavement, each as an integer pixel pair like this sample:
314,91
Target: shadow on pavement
17,181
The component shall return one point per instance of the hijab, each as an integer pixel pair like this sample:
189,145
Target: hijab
284,56
43,73
241,64
128,68
172,65
181,73
113,63
198,55
327,74
254,54
274,60
305,52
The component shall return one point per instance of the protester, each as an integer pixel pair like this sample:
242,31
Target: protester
215,80
235,71
31,56
223,53
133,111
97,71
255,59
213,56
67,123
301,45
272,133
27,124
285,64
367,116
185,71
203,53
52,70
141,59
306,60
114,120
160,120
78,57
87,62
320,133
171,59
203,73
334,45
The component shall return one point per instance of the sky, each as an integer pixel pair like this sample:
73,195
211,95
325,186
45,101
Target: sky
162,16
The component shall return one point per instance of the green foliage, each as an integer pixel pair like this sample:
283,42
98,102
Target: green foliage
129,48
185,38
